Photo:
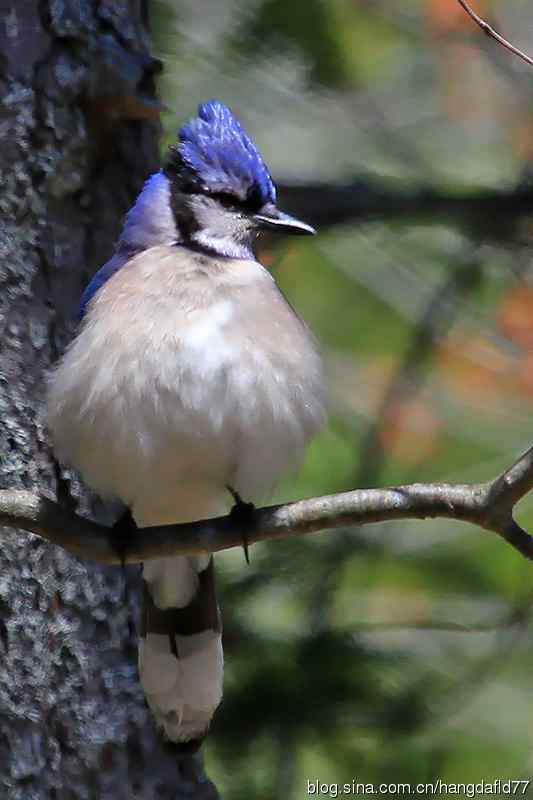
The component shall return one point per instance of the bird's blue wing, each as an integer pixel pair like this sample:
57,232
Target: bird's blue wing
98,280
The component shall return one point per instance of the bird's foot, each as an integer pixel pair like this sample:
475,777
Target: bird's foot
120,533
241,515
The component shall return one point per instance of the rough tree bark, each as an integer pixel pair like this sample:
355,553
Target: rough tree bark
79,135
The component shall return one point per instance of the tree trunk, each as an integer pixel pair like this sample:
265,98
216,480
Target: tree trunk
79,136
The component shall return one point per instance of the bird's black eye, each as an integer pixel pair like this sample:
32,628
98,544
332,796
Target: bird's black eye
225,199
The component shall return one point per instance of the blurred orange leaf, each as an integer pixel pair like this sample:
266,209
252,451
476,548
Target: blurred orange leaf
446,16
515,316
411,431
474,367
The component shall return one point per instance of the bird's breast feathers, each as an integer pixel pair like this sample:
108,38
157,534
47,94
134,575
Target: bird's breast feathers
191,367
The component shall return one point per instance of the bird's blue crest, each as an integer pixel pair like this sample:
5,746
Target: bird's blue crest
217,151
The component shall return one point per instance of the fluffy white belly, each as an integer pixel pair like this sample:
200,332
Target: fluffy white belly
164,395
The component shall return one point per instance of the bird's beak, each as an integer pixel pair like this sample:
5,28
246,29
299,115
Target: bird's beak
272,219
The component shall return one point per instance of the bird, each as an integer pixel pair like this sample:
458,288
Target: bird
190,378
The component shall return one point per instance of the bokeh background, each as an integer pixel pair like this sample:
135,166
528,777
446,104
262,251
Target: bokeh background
401,652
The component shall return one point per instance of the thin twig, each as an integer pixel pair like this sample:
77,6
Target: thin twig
492,34
516,615
431,329
430,625
487,505
463,689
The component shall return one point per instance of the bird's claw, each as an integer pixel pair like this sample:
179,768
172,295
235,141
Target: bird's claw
122,529
241,514
120,532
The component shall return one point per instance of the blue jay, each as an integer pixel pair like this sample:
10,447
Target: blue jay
190,373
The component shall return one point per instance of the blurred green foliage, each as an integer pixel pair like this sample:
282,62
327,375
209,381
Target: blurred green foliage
400,652
276,26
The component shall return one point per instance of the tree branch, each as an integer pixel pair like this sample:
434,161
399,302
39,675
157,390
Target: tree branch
487,505
485,214
492,34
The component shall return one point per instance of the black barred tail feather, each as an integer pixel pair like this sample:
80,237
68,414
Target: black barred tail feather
180,650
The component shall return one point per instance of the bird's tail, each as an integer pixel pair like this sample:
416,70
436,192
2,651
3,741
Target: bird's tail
180,650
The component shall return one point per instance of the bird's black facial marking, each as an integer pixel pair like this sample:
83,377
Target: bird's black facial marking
251,204
226,200
254,199
185,181
180,175
186,221
217,217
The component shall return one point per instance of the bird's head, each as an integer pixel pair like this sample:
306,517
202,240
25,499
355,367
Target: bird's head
221,191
